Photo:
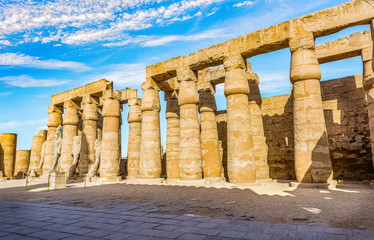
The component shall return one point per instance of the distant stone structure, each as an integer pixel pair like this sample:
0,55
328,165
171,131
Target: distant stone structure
319,132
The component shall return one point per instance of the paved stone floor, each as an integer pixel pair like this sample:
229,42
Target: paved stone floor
45,221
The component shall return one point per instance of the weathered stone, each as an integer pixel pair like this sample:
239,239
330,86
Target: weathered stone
312,156
8,143
172,136
22,161
110,152
135,129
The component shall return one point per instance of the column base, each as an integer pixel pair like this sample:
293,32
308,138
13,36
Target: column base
109,179
150,181
266,180
191,182
131,177
57,180
333,184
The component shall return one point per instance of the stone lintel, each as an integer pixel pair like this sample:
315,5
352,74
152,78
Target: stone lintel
95,89
320,23
344,48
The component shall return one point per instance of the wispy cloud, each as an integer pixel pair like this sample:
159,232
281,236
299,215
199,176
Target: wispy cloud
19,59
19,125
73,22
274,83
3,94
25,81
123,75
245,3
152,41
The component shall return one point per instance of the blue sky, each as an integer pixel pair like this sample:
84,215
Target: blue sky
47,47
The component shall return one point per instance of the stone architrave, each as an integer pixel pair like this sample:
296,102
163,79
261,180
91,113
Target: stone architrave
240,159
22,161
150,147
8,143
135,130
212,163
312,155
75,153
190,159
97,150
260,149
57,143
172,136
109,163
90,117
70,126
54,120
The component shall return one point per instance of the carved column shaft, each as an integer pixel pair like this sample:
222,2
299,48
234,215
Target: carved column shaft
8,144
70,130
22,161
109,164
36,148
89,134
367,56
172,137
150,149
240,159
190,159
312,156
260,149
212,166
54,120
135,130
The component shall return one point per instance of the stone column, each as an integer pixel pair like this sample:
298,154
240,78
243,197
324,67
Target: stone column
260,149
190,159
135,131
54,120
172,136
312,156
150,147
70,130
8,144
89,130
22,161
212,165
36,148
109,164
240,159
367,56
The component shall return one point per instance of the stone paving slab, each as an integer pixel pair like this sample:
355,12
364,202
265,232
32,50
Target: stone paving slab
20,220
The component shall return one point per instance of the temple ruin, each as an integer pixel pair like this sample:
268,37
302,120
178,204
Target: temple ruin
320,132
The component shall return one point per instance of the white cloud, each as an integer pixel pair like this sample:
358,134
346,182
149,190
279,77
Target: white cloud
274,83
73,22
17,59
245,3
123,75
152,41
19,125
3,94
25,81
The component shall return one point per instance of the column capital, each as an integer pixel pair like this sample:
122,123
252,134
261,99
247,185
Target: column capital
135,110
172,107
231,62
188,93
368,74
186,74
304,62
71,116
54,108
111,107
150,101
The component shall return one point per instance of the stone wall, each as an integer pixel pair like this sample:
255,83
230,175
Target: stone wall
347,128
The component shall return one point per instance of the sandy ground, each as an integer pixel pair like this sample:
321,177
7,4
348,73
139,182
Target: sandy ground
349,207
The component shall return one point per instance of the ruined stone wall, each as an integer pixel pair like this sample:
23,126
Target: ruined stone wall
347,128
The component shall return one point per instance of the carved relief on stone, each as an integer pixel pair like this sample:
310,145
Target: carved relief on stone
93,169
56,149
75,152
